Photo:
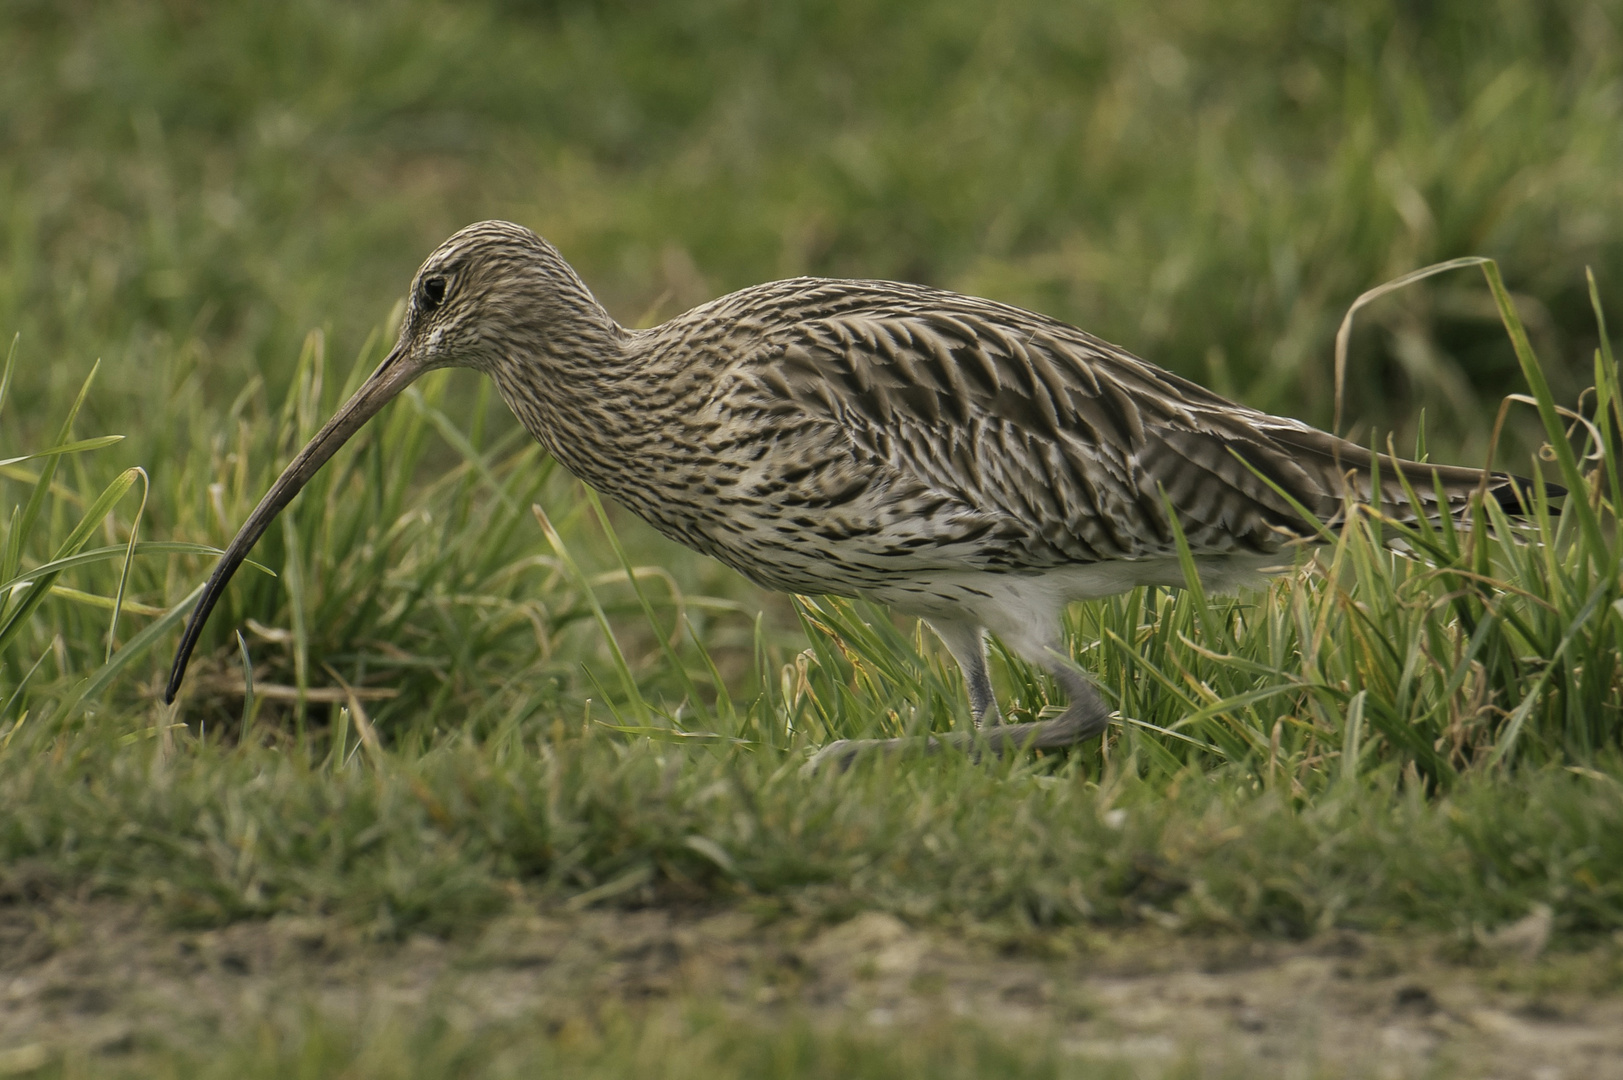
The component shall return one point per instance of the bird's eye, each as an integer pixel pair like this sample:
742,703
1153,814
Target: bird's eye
433,292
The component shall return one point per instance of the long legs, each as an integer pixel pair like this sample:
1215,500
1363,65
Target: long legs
967,643
1085,716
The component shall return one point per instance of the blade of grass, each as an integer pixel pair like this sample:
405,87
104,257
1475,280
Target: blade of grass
92,687
628,682
642,598
1554,430
1344,332
35,593
104,554
78,446
129,561
22,527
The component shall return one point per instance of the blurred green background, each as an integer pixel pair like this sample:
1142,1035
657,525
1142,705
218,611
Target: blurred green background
186,188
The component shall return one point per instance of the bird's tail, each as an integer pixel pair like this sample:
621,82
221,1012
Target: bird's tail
1408,490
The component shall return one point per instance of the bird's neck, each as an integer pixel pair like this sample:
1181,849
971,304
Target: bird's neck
578,393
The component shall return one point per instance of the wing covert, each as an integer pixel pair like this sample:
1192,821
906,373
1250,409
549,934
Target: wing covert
1056,447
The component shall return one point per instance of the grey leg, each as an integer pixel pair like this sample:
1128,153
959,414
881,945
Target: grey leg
967,643
1085,716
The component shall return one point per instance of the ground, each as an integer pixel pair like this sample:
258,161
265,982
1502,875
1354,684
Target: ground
105,981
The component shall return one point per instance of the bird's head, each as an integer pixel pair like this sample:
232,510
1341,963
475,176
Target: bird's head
493,296
492,292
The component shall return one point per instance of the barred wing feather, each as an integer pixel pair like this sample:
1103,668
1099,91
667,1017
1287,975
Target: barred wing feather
1065,443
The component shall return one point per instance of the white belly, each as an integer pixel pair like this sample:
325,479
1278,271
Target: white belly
1024,609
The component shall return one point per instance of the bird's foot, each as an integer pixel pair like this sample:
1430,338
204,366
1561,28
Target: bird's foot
840,754
1080,722
1086,717
1077,724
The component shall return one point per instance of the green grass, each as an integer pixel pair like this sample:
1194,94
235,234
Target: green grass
439,840
473,681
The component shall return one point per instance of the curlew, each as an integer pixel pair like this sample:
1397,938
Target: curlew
964,461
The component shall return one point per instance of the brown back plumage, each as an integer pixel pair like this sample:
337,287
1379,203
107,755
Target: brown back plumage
1006,439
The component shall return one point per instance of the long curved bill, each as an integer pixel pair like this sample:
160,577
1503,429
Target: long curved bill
391,377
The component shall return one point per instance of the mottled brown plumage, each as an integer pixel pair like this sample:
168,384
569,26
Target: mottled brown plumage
962,460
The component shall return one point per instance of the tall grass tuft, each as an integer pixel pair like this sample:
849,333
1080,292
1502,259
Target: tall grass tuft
429,579
44,545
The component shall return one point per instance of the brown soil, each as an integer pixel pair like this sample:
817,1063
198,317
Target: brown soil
107,978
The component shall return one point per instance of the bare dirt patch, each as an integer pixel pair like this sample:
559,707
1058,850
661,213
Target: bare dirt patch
108,978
